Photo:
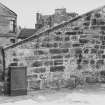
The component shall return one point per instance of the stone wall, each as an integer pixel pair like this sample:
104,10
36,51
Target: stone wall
75,49
8,27
6,41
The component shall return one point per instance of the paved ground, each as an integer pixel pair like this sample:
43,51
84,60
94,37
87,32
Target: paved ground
91,95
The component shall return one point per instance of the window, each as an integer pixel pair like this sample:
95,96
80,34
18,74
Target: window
12,25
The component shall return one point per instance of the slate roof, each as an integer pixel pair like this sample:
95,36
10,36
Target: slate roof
25,33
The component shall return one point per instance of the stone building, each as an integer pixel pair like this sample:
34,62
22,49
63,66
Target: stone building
46,21
8,30
75,48
8,25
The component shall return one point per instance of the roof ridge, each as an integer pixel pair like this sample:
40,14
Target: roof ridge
47,30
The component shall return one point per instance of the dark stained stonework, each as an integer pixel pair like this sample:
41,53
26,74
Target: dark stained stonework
57,51
57,68
39,70
57,57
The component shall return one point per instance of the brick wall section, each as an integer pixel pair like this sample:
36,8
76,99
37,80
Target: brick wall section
73,48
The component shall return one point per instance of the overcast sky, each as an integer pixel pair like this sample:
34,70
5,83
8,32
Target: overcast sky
26,9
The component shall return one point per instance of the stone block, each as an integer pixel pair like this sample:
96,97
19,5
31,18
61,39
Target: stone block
48,63
47,45
74,38
91,79
55,44
67,38
58,62
102,38
103,42
85,61
100,51
57,68
65,45
41,52
39,70
86,51
32,77
70,33
102,47
37,64
76,45
96,46
93,50
103,28
57,57
57,38
57,51
58,33
83,41
103,56
67,56
34,85
70,83
92,62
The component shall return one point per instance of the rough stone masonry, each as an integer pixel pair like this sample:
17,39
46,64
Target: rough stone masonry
75,48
